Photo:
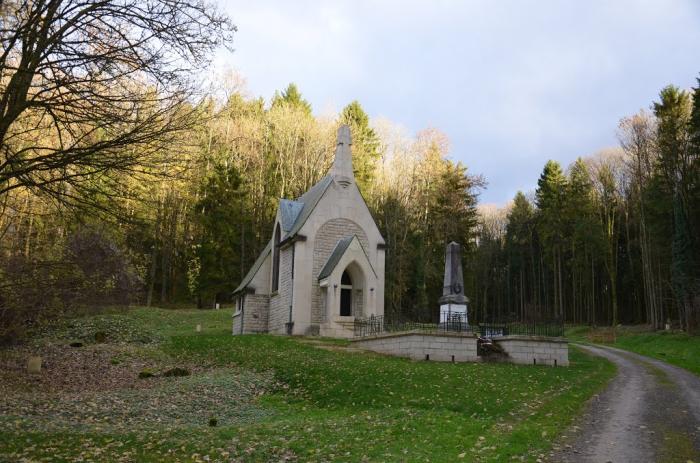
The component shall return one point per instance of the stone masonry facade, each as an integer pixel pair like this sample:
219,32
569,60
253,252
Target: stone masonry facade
280,301
254,314
326,238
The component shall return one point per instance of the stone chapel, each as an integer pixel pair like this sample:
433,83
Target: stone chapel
324,264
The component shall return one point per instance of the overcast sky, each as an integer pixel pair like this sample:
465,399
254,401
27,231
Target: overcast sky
512,83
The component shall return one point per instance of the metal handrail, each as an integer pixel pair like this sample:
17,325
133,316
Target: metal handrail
374,325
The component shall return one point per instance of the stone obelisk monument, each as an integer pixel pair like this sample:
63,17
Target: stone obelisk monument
453,303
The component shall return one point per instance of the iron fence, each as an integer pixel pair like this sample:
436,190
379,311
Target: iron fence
375,325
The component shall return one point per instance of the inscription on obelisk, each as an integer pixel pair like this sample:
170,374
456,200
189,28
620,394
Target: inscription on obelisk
453,303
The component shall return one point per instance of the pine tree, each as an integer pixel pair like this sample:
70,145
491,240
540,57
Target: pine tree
675,165
551,203
519,245
365,144
292,96
215,272
585,237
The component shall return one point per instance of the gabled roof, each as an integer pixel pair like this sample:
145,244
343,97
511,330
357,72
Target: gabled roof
289,212
309,200
337,253
254,269
335,256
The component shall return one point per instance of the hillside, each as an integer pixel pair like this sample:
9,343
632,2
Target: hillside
266,398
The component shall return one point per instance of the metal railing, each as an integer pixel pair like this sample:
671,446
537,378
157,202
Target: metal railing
547,328
374,325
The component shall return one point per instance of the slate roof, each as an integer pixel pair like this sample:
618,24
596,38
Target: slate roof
337,253
309,201
289,212
335,256
254,269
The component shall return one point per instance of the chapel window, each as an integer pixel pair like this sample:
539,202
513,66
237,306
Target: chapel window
276,260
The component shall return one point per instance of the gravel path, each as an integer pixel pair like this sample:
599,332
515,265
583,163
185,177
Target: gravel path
650,412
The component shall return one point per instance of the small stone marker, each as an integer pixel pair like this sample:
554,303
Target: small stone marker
218,306
34,365
199,328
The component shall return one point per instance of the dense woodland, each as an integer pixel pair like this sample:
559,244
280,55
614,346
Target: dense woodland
614,238
124,181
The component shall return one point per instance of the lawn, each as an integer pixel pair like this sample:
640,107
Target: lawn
269,398
676,348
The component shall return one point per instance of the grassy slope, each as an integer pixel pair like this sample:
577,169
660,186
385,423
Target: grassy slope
679,349
341,406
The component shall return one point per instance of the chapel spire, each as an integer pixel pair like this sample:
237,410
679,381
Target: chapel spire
342,164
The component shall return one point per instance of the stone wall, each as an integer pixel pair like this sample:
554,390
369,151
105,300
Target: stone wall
535,350
461,347
326,238
445,347
254,315
358,303
236,328
280,301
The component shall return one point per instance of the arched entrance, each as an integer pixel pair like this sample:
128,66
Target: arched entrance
345,295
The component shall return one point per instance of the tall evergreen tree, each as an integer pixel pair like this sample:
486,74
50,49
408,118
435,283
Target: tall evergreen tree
585,240
675,165
551,203
519,245
365,144
694,169
292,96
215,272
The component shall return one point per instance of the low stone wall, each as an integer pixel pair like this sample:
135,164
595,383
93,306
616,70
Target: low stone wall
535,350
461,347
418,345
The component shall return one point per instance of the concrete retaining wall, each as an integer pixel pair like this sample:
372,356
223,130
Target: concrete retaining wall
535,350
461,347
445,347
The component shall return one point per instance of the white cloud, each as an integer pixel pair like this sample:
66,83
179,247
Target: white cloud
512,83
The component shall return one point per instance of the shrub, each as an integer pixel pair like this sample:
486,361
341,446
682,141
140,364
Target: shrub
146,374
177,371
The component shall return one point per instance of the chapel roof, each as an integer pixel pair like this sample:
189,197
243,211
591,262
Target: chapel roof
335,256
289,212
306,203
254,269
337,253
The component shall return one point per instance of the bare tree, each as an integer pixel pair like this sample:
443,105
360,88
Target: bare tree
91,90
637,136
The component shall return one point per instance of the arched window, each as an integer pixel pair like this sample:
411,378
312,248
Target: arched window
345,295
276,259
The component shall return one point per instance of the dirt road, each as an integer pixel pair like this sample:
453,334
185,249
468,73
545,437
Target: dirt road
650,412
